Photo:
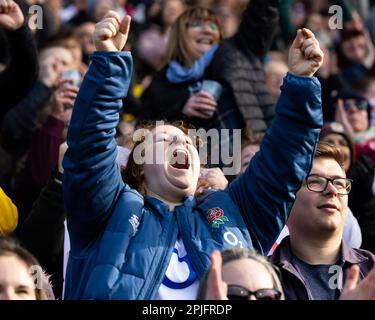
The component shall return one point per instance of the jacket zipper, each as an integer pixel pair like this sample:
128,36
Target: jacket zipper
193,254
171,229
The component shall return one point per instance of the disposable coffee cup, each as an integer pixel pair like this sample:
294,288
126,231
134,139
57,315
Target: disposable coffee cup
214,88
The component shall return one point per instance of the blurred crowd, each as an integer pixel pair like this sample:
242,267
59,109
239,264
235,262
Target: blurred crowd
45,50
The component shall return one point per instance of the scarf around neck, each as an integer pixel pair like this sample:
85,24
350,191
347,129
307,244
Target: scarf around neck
177,73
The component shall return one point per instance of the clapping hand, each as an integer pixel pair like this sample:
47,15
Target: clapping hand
365,290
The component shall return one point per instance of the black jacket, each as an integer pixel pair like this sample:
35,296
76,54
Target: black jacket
19,123
238,63
43,233
362,199
164,100
16,131
22,71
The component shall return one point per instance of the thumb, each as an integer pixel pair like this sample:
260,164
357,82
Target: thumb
308,33
299,39
125,25
351,278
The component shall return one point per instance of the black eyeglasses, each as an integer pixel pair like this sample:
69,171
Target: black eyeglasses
318,183
240,293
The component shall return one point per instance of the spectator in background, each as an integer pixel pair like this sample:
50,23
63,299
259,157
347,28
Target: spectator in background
214,178
356,54
354,113
20,121
229,14
361,171
297,13
85,32
44,149
315,245
366,87
17,279
195,53
70,39
240,274
152,42
275,72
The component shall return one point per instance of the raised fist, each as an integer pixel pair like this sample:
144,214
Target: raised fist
111,33
305,55
11,16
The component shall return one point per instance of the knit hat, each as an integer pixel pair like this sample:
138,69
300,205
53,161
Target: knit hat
8,215
337,128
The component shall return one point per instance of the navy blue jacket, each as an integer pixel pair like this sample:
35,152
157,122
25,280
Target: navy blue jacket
122,242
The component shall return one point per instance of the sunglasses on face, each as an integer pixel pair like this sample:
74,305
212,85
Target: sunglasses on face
240,293
359,104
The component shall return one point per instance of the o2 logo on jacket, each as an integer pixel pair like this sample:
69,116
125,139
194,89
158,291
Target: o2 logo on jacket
216,217
180,273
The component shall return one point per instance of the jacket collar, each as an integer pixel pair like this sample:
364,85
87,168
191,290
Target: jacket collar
283,254
162,208
351,255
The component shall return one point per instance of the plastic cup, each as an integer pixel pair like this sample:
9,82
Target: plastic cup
215,89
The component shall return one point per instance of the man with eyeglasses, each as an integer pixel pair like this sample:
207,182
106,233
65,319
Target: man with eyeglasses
314,260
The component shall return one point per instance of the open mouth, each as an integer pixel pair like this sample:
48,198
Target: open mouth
180,160
205,41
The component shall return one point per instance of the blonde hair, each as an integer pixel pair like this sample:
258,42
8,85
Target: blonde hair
178,47
328,151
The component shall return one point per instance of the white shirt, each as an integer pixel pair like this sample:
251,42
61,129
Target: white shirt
180,281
